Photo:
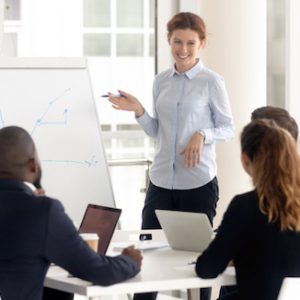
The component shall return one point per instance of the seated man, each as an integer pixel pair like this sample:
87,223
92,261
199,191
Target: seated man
35,231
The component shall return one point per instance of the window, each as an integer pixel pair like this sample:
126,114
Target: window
97,44
276,53
12,10
121,51
283,63
96,13
12,16
122,57
125,28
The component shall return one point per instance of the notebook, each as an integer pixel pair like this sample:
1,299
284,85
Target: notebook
101,220
185,231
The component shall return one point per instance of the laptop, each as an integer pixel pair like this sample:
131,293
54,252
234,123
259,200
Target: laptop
101,220
187,231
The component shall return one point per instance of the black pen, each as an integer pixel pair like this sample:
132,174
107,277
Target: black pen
114,95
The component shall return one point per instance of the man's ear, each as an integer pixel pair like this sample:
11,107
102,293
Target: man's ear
32,170
32,165
28,171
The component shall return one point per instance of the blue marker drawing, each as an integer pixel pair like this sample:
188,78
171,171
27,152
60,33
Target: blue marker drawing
89,163
93,162
1,119
64,120
41,121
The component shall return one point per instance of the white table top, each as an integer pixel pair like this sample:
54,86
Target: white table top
162,269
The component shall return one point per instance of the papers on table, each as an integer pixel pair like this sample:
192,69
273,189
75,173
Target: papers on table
54,271
142,245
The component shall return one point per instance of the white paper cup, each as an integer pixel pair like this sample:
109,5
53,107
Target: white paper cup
92,239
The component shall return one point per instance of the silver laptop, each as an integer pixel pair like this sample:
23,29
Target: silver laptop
185,231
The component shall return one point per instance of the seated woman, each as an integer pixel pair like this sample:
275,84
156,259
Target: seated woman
260,230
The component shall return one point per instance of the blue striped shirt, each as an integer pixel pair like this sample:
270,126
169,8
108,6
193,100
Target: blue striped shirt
185,103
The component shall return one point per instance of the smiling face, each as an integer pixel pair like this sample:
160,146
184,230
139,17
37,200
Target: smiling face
185,44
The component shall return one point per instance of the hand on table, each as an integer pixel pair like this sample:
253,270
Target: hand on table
135,254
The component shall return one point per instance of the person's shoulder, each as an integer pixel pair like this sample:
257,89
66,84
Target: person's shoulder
242,208
164,74
247,195
51,203
246,201
210,75
42,206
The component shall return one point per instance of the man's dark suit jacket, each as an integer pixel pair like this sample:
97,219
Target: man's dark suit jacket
263,255
35,231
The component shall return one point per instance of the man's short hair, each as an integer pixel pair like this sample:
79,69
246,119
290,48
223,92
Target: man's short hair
16,148
280,115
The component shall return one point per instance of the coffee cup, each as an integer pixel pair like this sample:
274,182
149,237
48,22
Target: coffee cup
91,239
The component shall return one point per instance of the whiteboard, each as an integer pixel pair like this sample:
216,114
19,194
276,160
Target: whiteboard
53,100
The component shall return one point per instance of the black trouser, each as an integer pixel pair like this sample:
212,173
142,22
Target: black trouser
203,199
228,292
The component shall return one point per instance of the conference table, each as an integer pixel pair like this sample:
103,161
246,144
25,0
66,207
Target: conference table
163,269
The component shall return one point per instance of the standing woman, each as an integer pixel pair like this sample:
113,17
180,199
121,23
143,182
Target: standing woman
191,114
260,230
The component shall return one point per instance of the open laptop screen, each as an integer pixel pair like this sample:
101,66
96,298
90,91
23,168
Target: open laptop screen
101,220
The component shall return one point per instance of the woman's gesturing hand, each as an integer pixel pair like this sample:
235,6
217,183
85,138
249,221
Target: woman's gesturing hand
192,150
126,102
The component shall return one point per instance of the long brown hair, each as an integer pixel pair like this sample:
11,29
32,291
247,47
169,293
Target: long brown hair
275,171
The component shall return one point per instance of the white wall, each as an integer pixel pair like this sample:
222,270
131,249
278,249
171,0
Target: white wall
293,58
58,33
237,50
165,10
1,23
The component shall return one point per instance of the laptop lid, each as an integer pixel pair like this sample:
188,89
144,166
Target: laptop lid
101,220
185,231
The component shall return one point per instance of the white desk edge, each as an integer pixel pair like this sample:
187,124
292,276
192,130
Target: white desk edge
187,278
